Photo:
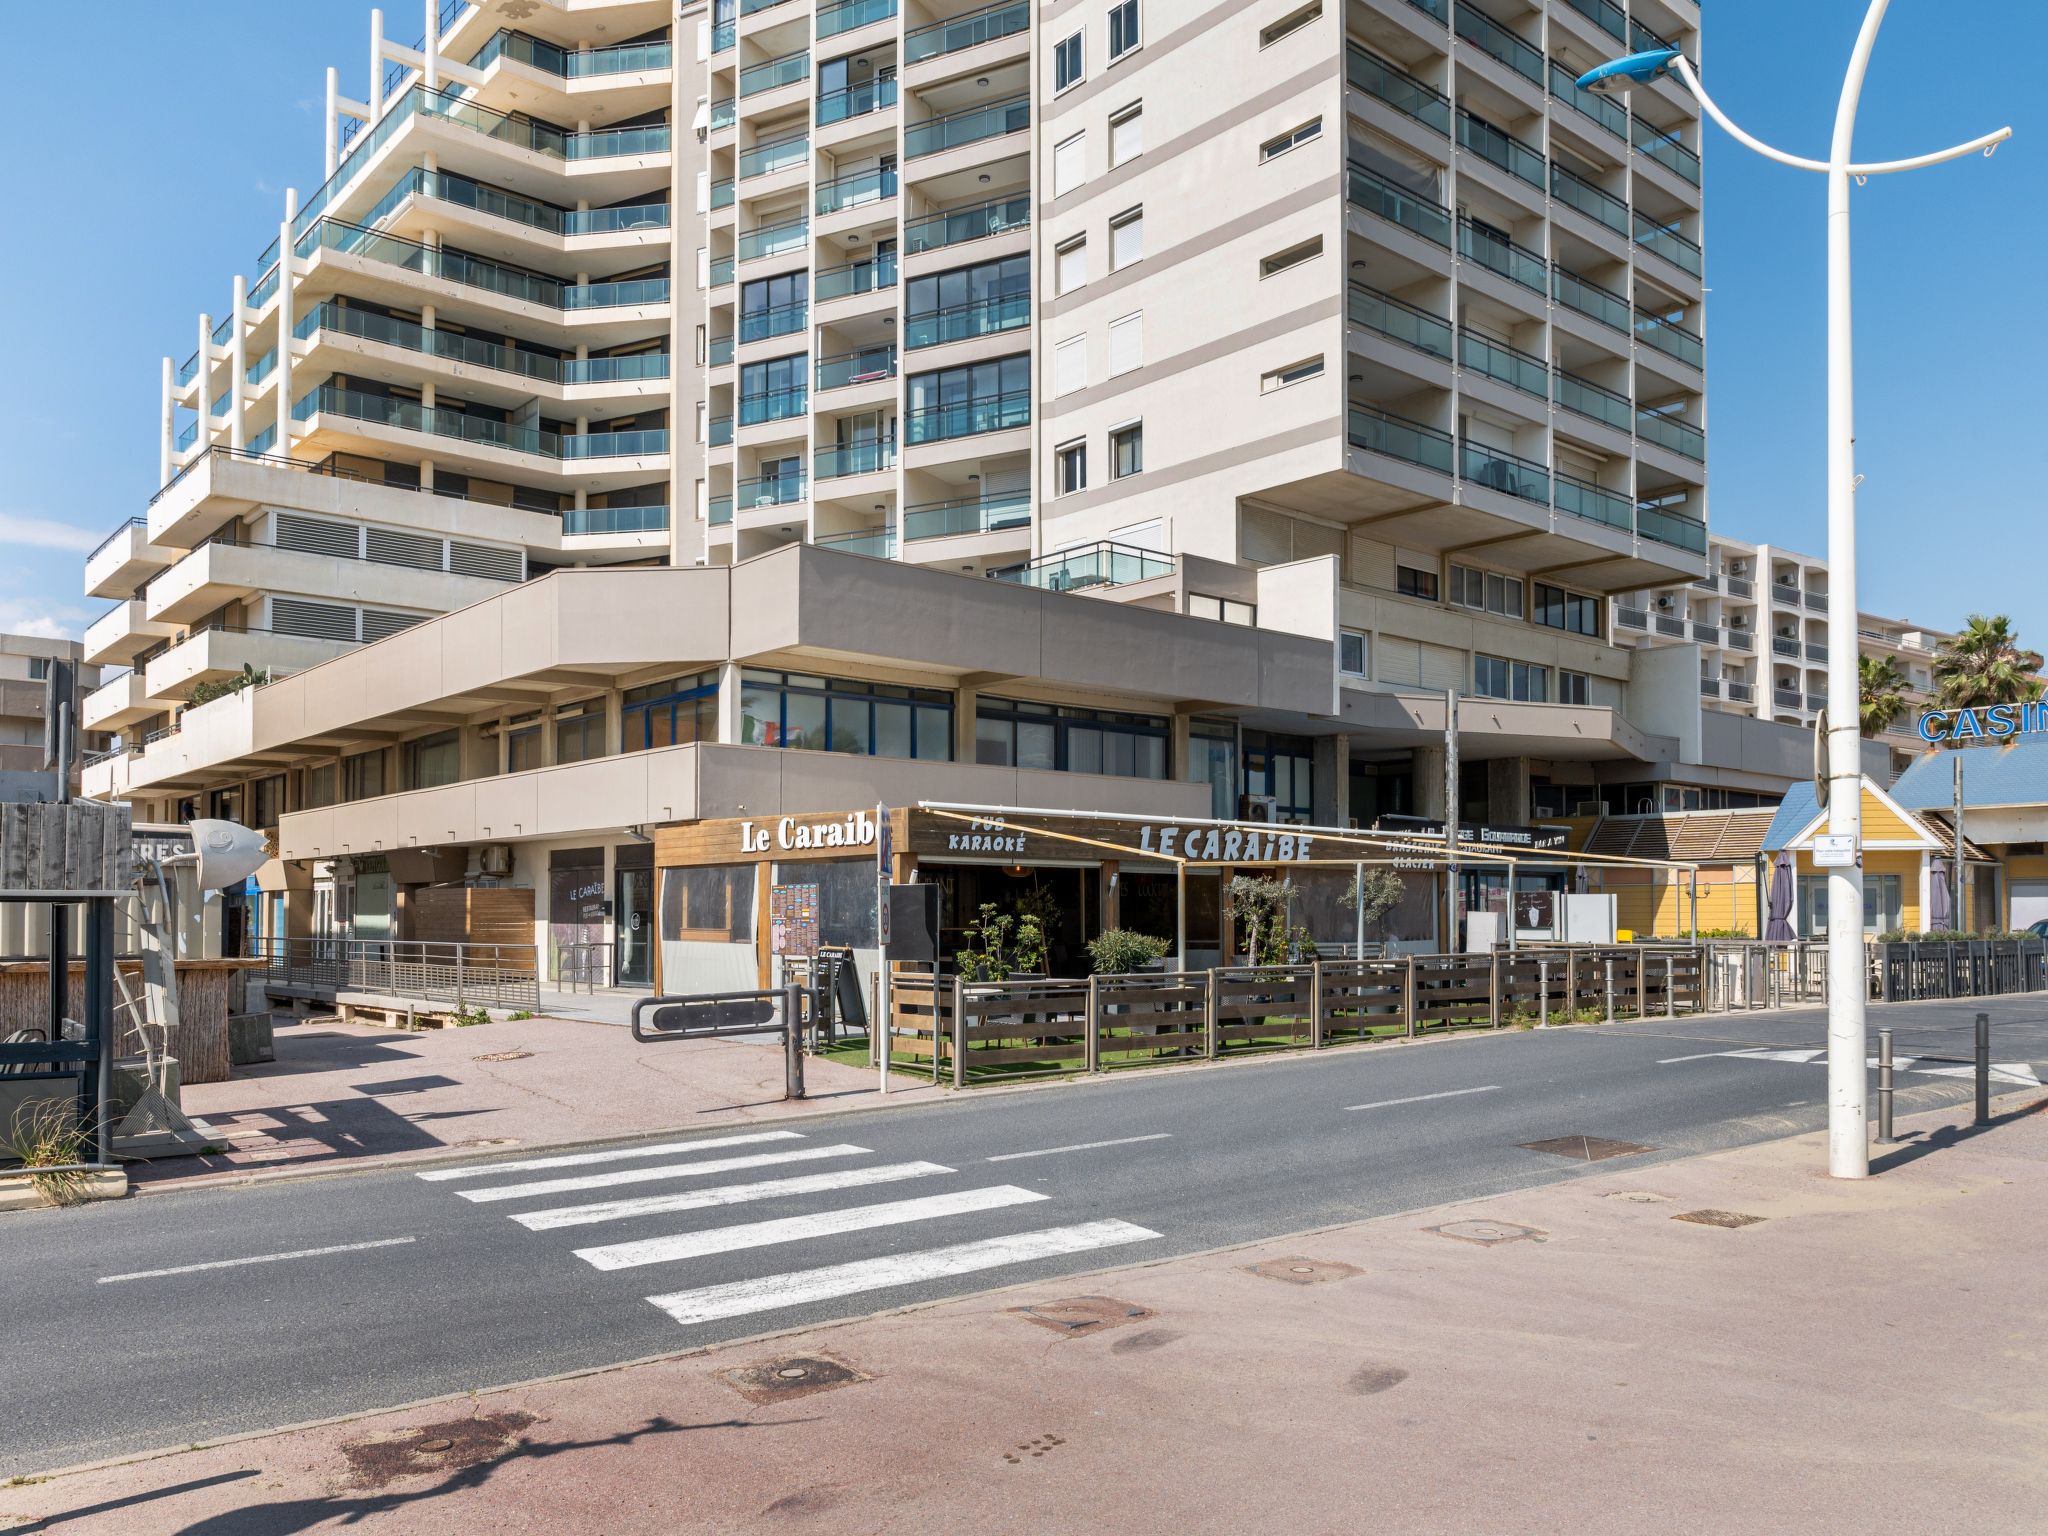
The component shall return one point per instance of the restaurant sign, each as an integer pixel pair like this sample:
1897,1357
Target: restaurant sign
1993,722
856,829
1197,844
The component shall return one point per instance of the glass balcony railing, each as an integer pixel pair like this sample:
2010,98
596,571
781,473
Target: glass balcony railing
968,514
773,239
1440,9
439,421
724,113
1589,299
967,418
723,193
855,190
219,408
1501,471
773,405
1586,398
1522,161
1398,89
718,431
718,351
1399,321
264,291
1489,36
475,272
609,143
346,320
723,35
1671,338
856,100
187,436
1642,40
774,73
855,277
769,491
1665,150
844,459
647,442
261,369
958,322
1374,194
719,272
1576,192
1681,437
1516,263
957,226
753,7
1094,565
263,441
224,331
1669,244
777,320
573,63
867,366
638,290
969,127
586,520
1594,503
969,31
632,368
1604,110
775,155
1377,431
188,370
1667,528
880,543
1504,364
848,14
718,512
1604,14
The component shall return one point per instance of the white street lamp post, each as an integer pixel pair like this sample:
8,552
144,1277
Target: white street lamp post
1848,1124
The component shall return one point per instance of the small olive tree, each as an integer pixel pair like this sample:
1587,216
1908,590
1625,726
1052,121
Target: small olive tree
1374,894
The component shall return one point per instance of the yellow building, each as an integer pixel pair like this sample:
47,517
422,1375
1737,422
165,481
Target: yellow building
1659,903
1906,854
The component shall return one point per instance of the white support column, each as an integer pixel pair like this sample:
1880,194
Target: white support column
729,721
431,73
333,119
376,96
286,306
167,452
238,365
202,382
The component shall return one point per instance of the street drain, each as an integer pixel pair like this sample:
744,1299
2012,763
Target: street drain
503,1056
444,1447
1718,1218
777,1381
1488,1234
1082,1314
1304,1271
1585,1149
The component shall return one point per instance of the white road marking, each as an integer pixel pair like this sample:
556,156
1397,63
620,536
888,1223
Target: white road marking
1080,1146
765,1293
617,1155
723,1194
1795,1057
793,1229
1424,1098
1666,1061
2019,1073
261,1258
647,1175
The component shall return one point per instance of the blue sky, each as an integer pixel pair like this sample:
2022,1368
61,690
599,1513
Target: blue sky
125,227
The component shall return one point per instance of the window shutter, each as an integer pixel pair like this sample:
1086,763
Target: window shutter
1126,344
1069,164
1070,366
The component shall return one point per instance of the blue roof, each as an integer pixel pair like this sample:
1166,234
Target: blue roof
2013,774
1795,814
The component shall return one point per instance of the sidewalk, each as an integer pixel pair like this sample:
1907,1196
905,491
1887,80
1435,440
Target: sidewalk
352,1092
1862,1356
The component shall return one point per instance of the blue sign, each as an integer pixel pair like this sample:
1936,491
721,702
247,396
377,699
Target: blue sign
1997,722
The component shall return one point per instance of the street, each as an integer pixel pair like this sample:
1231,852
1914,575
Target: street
184,1317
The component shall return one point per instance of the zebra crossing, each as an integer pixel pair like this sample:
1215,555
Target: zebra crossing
680,1165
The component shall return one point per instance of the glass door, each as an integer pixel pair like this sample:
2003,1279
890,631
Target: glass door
635,928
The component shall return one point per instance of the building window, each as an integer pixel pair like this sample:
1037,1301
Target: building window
1487,591
967,301
1202,606
432,761
1352,653
266,802
1881,904
1126,238
711,904
1293,256
319,787
1273,148
829,714
1126,343
1559,609
1293,373
1052,737
667,714
1067,62
522,743
1126,451
1070,365
1282,767
1574,688
1410,582
362,776
1494,677
1289,24
1123,29
1070,264
38,668
579,731
1069,164
1126,134
976,397
1071,465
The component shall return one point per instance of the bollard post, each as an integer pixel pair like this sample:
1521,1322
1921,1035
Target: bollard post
1209,1015
959,1035
1315,1005
1408,997
1610,989
1543,994
1091,1047
793,1041
1884,1087
1670,997
1983,1069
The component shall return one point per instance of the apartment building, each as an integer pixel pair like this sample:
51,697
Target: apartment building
1143,408
24,674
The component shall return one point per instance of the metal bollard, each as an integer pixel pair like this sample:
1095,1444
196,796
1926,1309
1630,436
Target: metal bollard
1983,1069
1670,997
1610,989
793,1040
1884,1087
1543,994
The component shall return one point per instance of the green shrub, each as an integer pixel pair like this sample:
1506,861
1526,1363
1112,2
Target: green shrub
1118,951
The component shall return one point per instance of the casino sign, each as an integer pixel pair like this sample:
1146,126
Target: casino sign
1993,722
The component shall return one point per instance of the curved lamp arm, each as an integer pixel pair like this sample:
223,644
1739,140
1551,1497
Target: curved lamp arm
1682,67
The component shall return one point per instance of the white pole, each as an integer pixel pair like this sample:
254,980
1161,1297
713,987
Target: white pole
238,363
376,96
431,73
285,322
333,119
883,876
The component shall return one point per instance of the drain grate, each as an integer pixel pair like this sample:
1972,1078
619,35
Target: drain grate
1585,1149
1488,1234
1083,1314
1304,1271
776,1381
1717,1218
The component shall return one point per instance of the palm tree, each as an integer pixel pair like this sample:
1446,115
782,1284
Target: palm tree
1985,665
1881,690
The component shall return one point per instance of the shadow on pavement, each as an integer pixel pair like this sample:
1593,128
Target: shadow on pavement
52,1522
1951,1136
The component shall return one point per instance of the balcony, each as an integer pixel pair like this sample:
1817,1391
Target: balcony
1670,244
476,272
1399,321
1785,645
1377,431
867,366
1816,701
1785,594
1516,263
634,367
967,514
772,74
718,431
1664,527
1489,36
1710,687
1739,586
725,111
856,190
773,155
1578,193
1817,653
1711,582
723,35
579,521
1418,215
777,320
773,239
1583,397
1590,299
120,701
1665,150
718,352
1503,150
773,405
1670,338
1604,110
1103,564
845,459
1389,83
969,418
1604,14
645,443
1630,618
1818,601
456,347
879,543
122,560
1669,432
1740,693
1706,634
436,421
718,512
1787,698
1741,639
957,226
1505,472
719,272
123,632
849,14
769,491
854,278
1594,503
968,31
856,101
1671,628
571,63
1506,365
968,127
960,322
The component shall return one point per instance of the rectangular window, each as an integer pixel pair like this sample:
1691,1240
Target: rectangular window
671,713
522,743
1126,238
1574,688
579,732
829,714
1351,653
1126,134
1070,264
432,761
38,668
1051,737
1123,29
1494,677
1223,609
266,802
362,776
1067,62
1293,256
1126,344
319,786
1410,582
1070,365
1558,609
1487,591
1289,24
1069,164
1071,463
1127,451
1275,147
1293,373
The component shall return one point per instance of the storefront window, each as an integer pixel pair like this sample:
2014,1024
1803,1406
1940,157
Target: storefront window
1212,760
713,903
846,898
820,714
1881,904
666,714
1012,734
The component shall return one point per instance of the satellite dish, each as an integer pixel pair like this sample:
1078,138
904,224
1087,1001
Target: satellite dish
226,852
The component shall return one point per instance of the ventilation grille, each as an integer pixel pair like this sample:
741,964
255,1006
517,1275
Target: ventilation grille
486,560
314,536
390,547
321,621
378,623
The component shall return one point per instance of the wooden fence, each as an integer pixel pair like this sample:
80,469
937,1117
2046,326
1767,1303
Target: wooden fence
978,1032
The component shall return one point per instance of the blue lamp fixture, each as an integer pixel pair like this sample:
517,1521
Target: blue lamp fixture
1617,77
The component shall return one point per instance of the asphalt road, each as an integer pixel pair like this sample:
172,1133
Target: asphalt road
115,1341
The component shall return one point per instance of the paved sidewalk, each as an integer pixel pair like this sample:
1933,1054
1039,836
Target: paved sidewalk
352,1092
1863,1356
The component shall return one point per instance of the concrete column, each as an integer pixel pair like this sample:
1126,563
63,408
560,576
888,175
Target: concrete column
202,384
963,725
1332,800
1507,791
431,73
167,449
426,474
1428,770
286,304
376,94
333,119
238,365
729,725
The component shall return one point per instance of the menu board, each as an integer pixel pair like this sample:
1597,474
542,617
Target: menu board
793,919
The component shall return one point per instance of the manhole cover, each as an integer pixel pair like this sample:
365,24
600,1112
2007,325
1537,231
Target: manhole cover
1640,1197
1718,1218
775,1381
1082,1314
434,1448
1488,1233
1305,1271
1585,1149
503,1056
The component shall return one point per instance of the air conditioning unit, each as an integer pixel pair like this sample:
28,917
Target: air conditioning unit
1263,808
494,859
1666,603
